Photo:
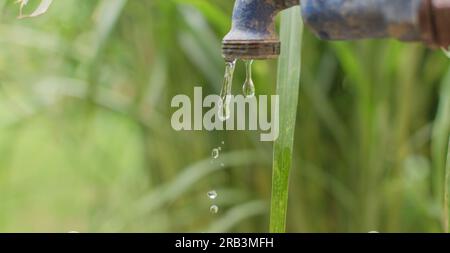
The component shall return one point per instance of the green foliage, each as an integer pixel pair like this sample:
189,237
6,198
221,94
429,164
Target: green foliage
40,9
288,89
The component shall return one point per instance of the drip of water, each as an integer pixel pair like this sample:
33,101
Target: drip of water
248,88
212,194
446,51
225,94
214,209
215,153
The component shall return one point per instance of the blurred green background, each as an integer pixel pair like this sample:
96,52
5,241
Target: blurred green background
86,142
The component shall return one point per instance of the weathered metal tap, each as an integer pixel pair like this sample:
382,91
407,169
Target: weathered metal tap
253,34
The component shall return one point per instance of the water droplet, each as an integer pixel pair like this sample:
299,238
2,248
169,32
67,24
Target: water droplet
248,88
223,143
219,148
214,209
225,94
73,232
446,52
215,153
373,232
224,109
212,194
222,165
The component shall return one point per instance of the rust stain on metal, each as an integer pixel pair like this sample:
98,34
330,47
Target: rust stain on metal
435,22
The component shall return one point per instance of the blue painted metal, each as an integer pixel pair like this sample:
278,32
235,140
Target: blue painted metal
361,19
254,19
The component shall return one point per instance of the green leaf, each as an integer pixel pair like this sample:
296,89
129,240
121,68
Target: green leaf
41,8
447,189
440,135
288,89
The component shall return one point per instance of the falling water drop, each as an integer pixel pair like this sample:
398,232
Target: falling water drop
212,194
215,153
214,209
248,88
225,94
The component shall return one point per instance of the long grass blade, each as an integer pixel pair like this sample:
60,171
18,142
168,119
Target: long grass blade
446,188
441,131
288,89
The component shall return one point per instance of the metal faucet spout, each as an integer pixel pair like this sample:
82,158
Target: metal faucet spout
253,34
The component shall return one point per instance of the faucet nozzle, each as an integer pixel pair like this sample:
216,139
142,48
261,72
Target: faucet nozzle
253,34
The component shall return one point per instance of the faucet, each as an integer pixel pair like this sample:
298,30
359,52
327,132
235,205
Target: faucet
253,34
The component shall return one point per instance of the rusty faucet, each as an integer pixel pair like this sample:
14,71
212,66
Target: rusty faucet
253,34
